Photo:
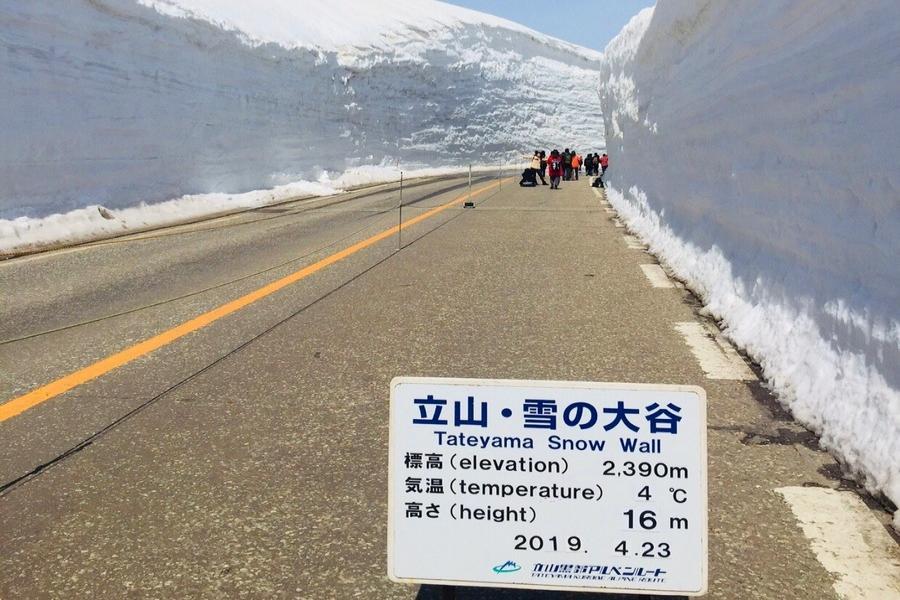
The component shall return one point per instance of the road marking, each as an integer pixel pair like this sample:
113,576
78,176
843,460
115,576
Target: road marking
848,540
657,276
633,243
37,396
603,202
716,356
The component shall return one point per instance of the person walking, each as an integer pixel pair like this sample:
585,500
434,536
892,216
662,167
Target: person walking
543,170
555,169
576,164
567,164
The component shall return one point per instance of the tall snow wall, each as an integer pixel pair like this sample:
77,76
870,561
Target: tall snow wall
118,102
754,145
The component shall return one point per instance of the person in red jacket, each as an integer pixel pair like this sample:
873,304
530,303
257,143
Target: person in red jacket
604,163
555,169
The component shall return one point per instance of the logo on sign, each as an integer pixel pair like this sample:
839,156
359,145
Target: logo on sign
599,572
507,567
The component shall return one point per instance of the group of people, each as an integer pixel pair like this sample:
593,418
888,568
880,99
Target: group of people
563,166
595,165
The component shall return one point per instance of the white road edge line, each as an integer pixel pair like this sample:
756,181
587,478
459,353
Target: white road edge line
848,541
603,202
633,243
657,276
716,356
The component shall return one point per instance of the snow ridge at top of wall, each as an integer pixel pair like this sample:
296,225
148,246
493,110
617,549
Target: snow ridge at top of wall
350,26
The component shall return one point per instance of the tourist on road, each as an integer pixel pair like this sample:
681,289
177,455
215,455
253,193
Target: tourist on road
555,168
576,164
604,164
543,167
536,166
567,164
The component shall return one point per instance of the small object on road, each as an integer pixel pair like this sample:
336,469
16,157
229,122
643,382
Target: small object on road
529,178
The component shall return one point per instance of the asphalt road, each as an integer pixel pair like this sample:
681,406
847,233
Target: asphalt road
246,458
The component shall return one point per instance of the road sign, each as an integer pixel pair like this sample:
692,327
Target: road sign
548,485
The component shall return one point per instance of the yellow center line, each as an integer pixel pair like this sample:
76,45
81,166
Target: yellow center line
17,406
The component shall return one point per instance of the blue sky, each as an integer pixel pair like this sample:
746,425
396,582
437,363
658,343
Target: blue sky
590,23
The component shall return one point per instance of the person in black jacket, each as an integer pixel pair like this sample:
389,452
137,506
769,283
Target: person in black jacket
529,178
543,167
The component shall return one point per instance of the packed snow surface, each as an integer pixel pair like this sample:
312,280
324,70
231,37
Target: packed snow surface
352,23
119,103
754,146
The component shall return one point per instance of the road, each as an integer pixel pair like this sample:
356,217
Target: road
243,454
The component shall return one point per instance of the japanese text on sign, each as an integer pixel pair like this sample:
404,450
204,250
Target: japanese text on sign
548,485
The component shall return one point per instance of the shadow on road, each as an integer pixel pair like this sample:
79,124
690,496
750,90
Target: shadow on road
439,592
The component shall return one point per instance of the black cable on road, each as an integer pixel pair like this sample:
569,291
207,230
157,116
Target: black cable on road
196,292
88,441
372,216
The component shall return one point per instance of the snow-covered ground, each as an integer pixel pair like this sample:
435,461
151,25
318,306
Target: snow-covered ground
754,145
116,103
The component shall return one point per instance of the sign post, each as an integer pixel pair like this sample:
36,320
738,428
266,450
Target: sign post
548,485
469,203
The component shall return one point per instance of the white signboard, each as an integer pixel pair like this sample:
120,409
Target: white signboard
548,485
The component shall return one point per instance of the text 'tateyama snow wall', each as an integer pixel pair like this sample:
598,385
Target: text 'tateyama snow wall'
754,145
117,102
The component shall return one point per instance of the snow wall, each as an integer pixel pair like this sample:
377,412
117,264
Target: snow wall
119,102
754,146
